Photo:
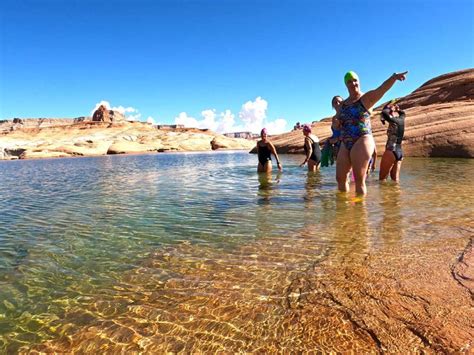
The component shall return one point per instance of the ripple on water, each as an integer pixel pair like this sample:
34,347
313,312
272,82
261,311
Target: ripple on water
136,253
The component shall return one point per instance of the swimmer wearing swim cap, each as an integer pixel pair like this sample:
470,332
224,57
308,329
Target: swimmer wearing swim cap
265,149
350,75
311,149
356,133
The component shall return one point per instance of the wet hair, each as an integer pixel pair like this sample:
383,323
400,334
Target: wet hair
307,128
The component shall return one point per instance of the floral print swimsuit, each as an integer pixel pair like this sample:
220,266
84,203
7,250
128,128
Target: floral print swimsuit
355,123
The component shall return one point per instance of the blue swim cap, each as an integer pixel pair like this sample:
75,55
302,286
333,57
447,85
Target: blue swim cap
350,75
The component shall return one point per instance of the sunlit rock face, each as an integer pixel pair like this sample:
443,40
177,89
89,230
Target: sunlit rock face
439,120
88,138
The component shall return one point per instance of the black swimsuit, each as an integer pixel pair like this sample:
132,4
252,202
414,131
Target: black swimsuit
264,154
395,133
316,151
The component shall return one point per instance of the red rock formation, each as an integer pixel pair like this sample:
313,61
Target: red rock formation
101,115
439,121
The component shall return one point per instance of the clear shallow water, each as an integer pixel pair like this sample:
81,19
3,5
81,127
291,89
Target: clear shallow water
198,252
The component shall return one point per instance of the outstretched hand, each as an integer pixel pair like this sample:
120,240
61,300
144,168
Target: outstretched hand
400,76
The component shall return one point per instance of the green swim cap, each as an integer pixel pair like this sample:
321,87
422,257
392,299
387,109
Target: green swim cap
350,75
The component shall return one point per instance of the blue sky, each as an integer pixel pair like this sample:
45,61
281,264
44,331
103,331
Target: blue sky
226,64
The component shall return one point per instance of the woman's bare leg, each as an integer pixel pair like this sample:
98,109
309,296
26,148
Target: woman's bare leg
312,165
386,164
360,156
343,166
264,168
395,171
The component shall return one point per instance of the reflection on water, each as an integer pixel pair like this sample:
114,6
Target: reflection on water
135,253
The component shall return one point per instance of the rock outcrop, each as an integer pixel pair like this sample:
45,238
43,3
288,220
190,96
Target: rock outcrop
87,138
104,115
20,123
439,123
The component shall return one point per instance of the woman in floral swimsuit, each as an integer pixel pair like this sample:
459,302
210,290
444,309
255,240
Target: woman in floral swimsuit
357,140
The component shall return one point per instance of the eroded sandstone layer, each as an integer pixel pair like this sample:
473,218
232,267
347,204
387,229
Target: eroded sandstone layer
35,139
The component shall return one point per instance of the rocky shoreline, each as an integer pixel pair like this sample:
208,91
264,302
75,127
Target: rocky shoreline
57,139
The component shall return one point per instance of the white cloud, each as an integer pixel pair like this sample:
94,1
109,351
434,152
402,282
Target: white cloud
124,110
186,120
133,117
209,120
252,117
253,114
226,123
276,127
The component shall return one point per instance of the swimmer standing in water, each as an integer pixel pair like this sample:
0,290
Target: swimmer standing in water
392,157
356,133
311,148
265,149
332,144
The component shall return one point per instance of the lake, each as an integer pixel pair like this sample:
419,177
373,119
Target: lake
196,252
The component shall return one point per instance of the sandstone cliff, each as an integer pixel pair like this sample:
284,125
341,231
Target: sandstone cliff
439,123
86,138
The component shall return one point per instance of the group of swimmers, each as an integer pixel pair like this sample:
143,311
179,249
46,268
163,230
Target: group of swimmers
352,141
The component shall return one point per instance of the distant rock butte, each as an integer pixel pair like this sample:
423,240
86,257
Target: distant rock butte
33,138
104,115
439,121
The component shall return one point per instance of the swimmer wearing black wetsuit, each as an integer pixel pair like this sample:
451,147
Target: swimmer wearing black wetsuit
393,155
395,132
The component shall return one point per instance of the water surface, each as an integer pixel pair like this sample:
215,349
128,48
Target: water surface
198,252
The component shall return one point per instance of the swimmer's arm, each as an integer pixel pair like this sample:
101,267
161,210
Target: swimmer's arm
386,116
274,152
370,98
392,119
